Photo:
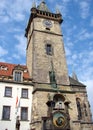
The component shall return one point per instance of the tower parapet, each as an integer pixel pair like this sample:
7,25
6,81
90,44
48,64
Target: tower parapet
42,11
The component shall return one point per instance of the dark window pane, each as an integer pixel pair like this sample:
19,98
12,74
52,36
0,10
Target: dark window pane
6,113
49,49
79,109
24,113
8,91
85,109
24,93
18,76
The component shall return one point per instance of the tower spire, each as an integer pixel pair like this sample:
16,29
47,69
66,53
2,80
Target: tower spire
43,1
74,76
57,10
34,4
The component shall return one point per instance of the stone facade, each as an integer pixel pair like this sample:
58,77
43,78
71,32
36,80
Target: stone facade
36,52
69,96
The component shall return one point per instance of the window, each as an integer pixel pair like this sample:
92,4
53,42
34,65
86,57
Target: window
79,109
24,113
49,49
24,93
85,110
8,92
6,113
18,76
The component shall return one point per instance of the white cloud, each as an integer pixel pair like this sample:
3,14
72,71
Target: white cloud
63,7
3,51
84,34
68,51
14,10
2,60
4,19
21,46
16,56
84,9
74,57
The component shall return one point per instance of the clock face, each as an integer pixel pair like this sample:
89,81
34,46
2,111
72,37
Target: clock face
47,23
59,120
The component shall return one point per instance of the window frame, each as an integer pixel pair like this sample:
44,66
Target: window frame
24,93
49,49
18,76
4,113
79,108
6,93
24,110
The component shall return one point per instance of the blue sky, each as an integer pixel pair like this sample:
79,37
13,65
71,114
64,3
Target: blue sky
77,29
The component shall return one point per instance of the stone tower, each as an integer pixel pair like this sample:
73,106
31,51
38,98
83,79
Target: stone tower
59,101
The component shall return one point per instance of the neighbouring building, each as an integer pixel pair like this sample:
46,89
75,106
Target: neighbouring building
42,93
16,96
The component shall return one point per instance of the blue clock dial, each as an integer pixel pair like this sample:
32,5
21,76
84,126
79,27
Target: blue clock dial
47,23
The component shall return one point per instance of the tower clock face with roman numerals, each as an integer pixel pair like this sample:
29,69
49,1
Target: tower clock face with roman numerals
47,23
60,120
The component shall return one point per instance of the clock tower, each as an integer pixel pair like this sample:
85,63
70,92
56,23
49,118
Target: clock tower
45,45
53,91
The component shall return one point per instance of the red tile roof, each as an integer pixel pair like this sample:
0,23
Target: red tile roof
6,69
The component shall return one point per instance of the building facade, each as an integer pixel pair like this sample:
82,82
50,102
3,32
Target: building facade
59,101
16,96
41,95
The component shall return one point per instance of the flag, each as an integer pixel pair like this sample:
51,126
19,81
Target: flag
17,106
16,101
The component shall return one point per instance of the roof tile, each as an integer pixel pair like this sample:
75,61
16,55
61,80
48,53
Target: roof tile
9,69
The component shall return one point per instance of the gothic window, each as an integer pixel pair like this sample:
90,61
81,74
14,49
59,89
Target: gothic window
24,93
18,76
6,113
24,113
8,91
79,109
49,50
85,110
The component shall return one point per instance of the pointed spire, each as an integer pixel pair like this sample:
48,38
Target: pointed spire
43,6
57,10
74,76
34,4
43,1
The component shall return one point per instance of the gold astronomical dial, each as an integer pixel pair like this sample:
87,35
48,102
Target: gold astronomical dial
60,119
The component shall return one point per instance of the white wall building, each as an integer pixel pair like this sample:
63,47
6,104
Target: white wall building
16,96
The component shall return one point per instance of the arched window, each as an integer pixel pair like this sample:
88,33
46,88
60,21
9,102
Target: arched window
79,108
59,101
85,109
